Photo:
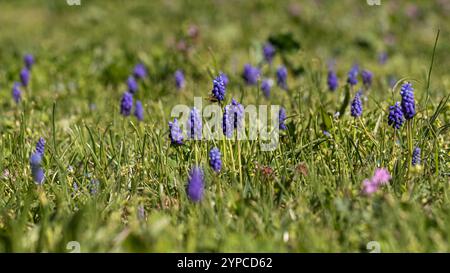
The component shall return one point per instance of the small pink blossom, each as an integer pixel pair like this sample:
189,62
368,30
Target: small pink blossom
381,177
369,187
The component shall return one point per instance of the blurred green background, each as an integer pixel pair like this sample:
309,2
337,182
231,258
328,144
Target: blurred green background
84,55
112,35
99,41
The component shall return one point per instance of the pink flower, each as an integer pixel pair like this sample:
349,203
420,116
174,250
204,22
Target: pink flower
369,187
381,176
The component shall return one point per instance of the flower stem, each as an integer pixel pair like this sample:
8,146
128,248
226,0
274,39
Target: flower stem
410,144
239,161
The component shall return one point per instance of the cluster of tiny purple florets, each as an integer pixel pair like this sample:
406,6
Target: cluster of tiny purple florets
126,103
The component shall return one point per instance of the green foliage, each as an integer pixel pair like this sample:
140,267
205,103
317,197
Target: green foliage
303,197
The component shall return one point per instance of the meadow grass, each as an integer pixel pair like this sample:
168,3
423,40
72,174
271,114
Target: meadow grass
305,196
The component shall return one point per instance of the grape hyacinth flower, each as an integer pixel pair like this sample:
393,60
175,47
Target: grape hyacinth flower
396,118
408,104
25,77
381,177
219,88
356,107
251,74
126,104
140,72
139,111
332,80
214,159
416,156
266,85
352,78
40,146
195,185
179,79
132,85
227,124
36,170
282,77
175,133
35,162
367,77
232,118
326,133
269,52
16,93
194,125
382,57
282,118
238,111
224,79
94,186
28,60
